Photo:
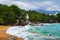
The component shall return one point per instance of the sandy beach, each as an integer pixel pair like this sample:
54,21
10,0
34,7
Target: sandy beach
3,35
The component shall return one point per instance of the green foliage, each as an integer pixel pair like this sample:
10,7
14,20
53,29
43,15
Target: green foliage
16,10
1,21
58,17
6,14
9,15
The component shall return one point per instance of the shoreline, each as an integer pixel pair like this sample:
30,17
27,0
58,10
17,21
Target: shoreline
3,34
24,33
23,29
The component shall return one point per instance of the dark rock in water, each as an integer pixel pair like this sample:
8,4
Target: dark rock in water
49,39
57,38
49,34
53,39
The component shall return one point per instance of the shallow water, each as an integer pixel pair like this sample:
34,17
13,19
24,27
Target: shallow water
37,32
53,29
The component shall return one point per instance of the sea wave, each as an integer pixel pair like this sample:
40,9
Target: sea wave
23,32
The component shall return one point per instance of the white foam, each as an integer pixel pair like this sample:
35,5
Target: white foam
23,32
46,24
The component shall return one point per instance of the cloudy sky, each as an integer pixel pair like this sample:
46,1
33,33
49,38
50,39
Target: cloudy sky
49,5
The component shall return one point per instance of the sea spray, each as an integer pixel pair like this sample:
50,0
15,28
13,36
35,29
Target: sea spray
24,32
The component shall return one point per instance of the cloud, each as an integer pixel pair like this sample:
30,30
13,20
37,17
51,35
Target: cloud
45,5
53,8
25,5
8,2
49,5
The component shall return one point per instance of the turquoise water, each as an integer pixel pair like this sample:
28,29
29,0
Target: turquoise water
52,29
36,32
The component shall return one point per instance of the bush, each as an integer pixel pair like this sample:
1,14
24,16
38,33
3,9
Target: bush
1,21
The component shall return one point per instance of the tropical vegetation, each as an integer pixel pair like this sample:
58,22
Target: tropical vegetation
9,15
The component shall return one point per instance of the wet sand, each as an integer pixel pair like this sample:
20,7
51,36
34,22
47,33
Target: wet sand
4,36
